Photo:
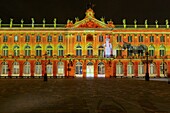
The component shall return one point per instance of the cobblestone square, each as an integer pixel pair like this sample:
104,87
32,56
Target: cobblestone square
73,95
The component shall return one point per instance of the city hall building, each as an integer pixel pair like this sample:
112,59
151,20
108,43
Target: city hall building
84,48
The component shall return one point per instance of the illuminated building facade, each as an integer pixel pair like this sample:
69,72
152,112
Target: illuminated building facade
86,48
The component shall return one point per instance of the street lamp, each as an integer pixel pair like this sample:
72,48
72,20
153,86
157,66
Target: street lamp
45,75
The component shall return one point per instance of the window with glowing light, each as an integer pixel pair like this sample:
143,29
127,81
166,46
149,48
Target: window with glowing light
38,68
27,68
119,68
79,68
49,68
140,68
130,68
60,68
4,68
152,68
101,68
15,68
16,38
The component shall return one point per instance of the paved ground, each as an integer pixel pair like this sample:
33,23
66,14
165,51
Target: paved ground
84,96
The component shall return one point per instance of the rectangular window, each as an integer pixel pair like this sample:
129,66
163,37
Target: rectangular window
27,38
151,38
100,38
60,53
151,52
60,38
38,39
15,38
140,39
162,39
129,38
5,39
119,52
49,39
78,38
119,39
162,52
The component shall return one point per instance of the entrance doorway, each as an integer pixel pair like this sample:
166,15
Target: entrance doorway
90,70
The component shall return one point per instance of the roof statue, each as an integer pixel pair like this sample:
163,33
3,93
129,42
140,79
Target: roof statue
156,22
146,23
22,21
44,22
167,23
135,23
11,22
124,23
55,21
0,22
102,19
32,22
76,19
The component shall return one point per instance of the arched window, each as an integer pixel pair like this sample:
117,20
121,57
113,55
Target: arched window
60,68
15,68
101,51
78,51
49,50
130,69
89,50
49,68
5,50
16,50
60,50
119,68
79,68
38,68
16,38
4,68
162,50
151,50
38,50
27,50
27,68
101,68
140,68
152,68
163,67
78,38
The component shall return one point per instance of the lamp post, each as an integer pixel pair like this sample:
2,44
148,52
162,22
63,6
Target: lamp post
45,75
147,71
69,69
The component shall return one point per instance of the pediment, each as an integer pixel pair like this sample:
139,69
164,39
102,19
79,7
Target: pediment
89,22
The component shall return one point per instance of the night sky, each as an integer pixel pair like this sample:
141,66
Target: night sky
69,9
